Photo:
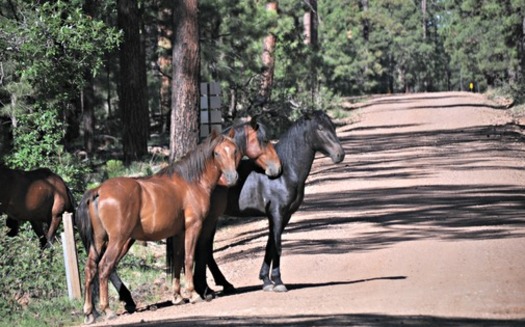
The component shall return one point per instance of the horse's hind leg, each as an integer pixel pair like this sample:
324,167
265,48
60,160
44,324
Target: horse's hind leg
114,252
90,272
14,225
53,226
39,231
123,292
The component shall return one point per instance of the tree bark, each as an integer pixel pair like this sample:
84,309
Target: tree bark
311,23
133,99
87,100
184,134
165,49
268,59
424,14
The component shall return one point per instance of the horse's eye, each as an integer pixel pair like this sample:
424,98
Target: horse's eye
215,153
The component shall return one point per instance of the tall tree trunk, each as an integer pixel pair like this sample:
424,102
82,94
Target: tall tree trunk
424,14
268,59
311,23
133,99
88,114
522,48
165,49
88,96
363,6
184,134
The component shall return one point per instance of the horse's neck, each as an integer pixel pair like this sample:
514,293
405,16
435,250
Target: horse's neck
209,177
297,156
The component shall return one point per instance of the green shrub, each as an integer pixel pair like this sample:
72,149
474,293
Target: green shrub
33,281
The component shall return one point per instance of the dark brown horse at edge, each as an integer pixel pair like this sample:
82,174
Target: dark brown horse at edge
38,196
173,202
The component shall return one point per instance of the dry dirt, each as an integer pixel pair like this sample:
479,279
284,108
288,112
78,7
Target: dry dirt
422,224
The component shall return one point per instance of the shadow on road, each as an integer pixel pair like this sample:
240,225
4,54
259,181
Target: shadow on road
444,211
330,320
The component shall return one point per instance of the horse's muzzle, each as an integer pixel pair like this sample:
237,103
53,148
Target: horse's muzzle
273,170
229,178
338,156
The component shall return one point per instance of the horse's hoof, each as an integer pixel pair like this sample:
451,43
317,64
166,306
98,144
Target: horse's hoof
178,300
130,308
110,314
268,287
89,319
228,289
196,298
280,288
209,296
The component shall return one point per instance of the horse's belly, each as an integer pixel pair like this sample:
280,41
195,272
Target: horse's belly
158,227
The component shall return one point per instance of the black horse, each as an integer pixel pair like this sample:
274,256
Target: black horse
256,194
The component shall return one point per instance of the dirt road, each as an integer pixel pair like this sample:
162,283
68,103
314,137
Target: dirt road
422,224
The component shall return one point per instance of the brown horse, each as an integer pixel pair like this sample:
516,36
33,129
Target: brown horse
173,202
38,196
252,141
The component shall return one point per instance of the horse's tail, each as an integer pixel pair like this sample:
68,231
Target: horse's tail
84,226
83,218
72,203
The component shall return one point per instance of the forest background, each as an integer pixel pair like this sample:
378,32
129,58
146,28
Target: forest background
87,88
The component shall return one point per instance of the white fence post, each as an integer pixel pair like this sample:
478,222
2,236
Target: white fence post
70,258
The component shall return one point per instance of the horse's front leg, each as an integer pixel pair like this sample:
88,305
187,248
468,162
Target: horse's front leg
280,222
193,229
218,276
264,273
177,246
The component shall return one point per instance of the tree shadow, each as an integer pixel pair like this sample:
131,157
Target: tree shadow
444,212
329,320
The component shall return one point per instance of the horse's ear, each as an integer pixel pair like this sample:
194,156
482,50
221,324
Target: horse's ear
307,114
213,134
253,123
231,133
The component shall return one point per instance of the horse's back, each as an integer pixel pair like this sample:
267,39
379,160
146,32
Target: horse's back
35,194
147,208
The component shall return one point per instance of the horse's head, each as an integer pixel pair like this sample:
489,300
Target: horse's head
255,145
227,157
324,137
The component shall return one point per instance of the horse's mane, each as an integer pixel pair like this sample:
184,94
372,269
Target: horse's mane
298,128
240,135
192,165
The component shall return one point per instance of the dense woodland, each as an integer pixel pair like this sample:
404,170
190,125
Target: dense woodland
80,77
89,86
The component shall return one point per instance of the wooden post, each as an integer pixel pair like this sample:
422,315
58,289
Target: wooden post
70,258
